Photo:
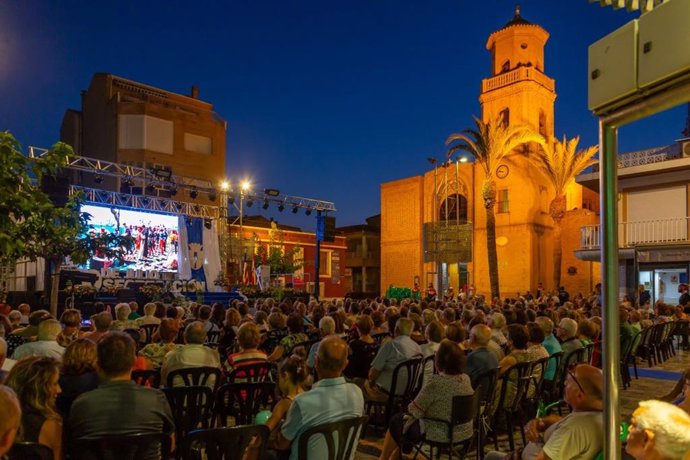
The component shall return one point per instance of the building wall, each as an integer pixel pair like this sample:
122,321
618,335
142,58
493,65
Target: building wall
401,232
109,98
334,286
587,274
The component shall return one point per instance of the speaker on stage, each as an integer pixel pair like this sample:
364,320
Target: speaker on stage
57,188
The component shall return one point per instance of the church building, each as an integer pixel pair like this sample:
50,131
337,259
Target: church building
433,226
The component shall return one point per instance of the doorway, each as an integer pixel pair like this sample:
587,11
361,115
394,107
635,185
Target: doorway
662,282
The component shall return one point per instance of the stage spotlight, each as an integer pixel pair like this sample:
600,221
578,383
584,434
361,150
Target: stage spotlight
129,182
98,179
197,208
231,199
212,195
144,201
250,202
265,205
178,206
207,224
173,191
295,209
281,207
308,212
193,194
150,189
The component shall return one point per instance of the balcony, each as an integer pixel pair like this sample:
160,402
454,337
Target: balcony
646,157
517,75
360,258
631,234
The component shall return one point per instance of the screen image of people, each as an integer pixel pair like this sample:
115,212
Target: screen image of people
153,245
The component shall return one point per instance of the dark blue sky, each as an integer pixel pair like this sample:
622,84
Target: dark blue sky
323,99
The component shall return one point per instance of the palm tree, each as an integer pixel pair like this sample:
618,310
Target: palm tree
489,143
561,162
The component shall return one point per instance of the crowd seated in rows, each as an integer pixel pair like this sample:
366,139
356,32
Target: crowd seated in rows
324,362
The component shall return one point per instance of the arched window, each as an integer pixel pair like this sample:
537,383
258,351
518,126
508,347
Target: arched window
542,123
456,209
504,117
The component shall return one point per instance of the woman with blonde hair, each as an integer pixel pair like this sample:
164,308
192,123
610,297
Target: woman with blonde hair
78,373
35,380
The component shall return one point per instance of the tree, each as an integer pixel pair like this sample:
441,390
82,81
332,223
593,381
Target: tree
31,226
489,143
561,162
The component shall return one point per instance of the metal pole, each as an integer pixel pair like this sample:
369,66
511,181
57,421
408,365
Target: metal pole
433,225
608,186
317,257
242,249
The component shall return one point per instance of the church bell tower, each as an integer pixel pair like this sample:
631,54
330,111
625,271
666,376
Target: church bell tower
518,90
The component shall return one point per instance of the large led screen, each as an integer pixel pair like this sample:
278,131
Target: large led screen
154,239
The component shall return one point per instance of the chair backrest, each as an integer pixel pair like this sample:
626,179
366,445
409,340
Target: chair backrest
429,366
463,409
575,356
258,372
126,447
208,376
380,337
588,351
307,344
146,333
555,364
147,378
29,451
224,443
537,373
411,371
242,401
134,334
517,377
212,338
343,432
192,407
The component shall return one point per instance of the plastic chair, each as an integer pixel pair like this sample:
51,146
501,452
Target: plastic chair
485,389
464,409
511,408
141,446
259,372
349,429
242,401
192,408
413,370
147,378
224,443
29,451
212,339
146,333
196,376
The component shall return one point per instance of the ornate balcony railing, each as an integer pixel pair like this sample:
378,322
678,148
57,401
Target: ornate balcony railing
632,234
514,76
646,157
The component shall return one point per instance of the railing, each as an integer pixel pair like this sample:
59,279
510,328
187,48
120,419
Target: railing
637,233
519,74
646,157
359,254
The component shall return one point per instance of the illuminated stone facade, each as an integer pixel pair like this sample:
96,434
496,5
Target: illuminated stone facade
519,90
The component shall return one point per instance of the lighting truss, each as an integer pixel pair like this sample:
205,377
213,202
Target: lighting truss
148,203
109,168
290,201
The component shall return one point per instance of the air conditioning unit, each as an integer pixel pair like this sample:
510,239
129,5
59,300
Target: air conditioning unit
685,148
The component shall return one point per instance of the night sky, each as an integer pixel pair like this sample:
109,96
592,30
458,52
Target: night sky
324,99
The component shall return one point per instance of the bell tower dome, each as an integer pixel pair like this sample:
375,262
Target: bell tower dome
518,90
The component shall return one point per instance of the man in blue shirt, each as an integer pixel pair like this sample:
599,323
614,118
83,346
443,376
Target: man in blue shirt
331,399
401,348
481,359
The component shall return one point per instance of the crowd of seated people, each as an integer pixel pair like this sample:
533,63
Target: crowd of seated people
336,354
